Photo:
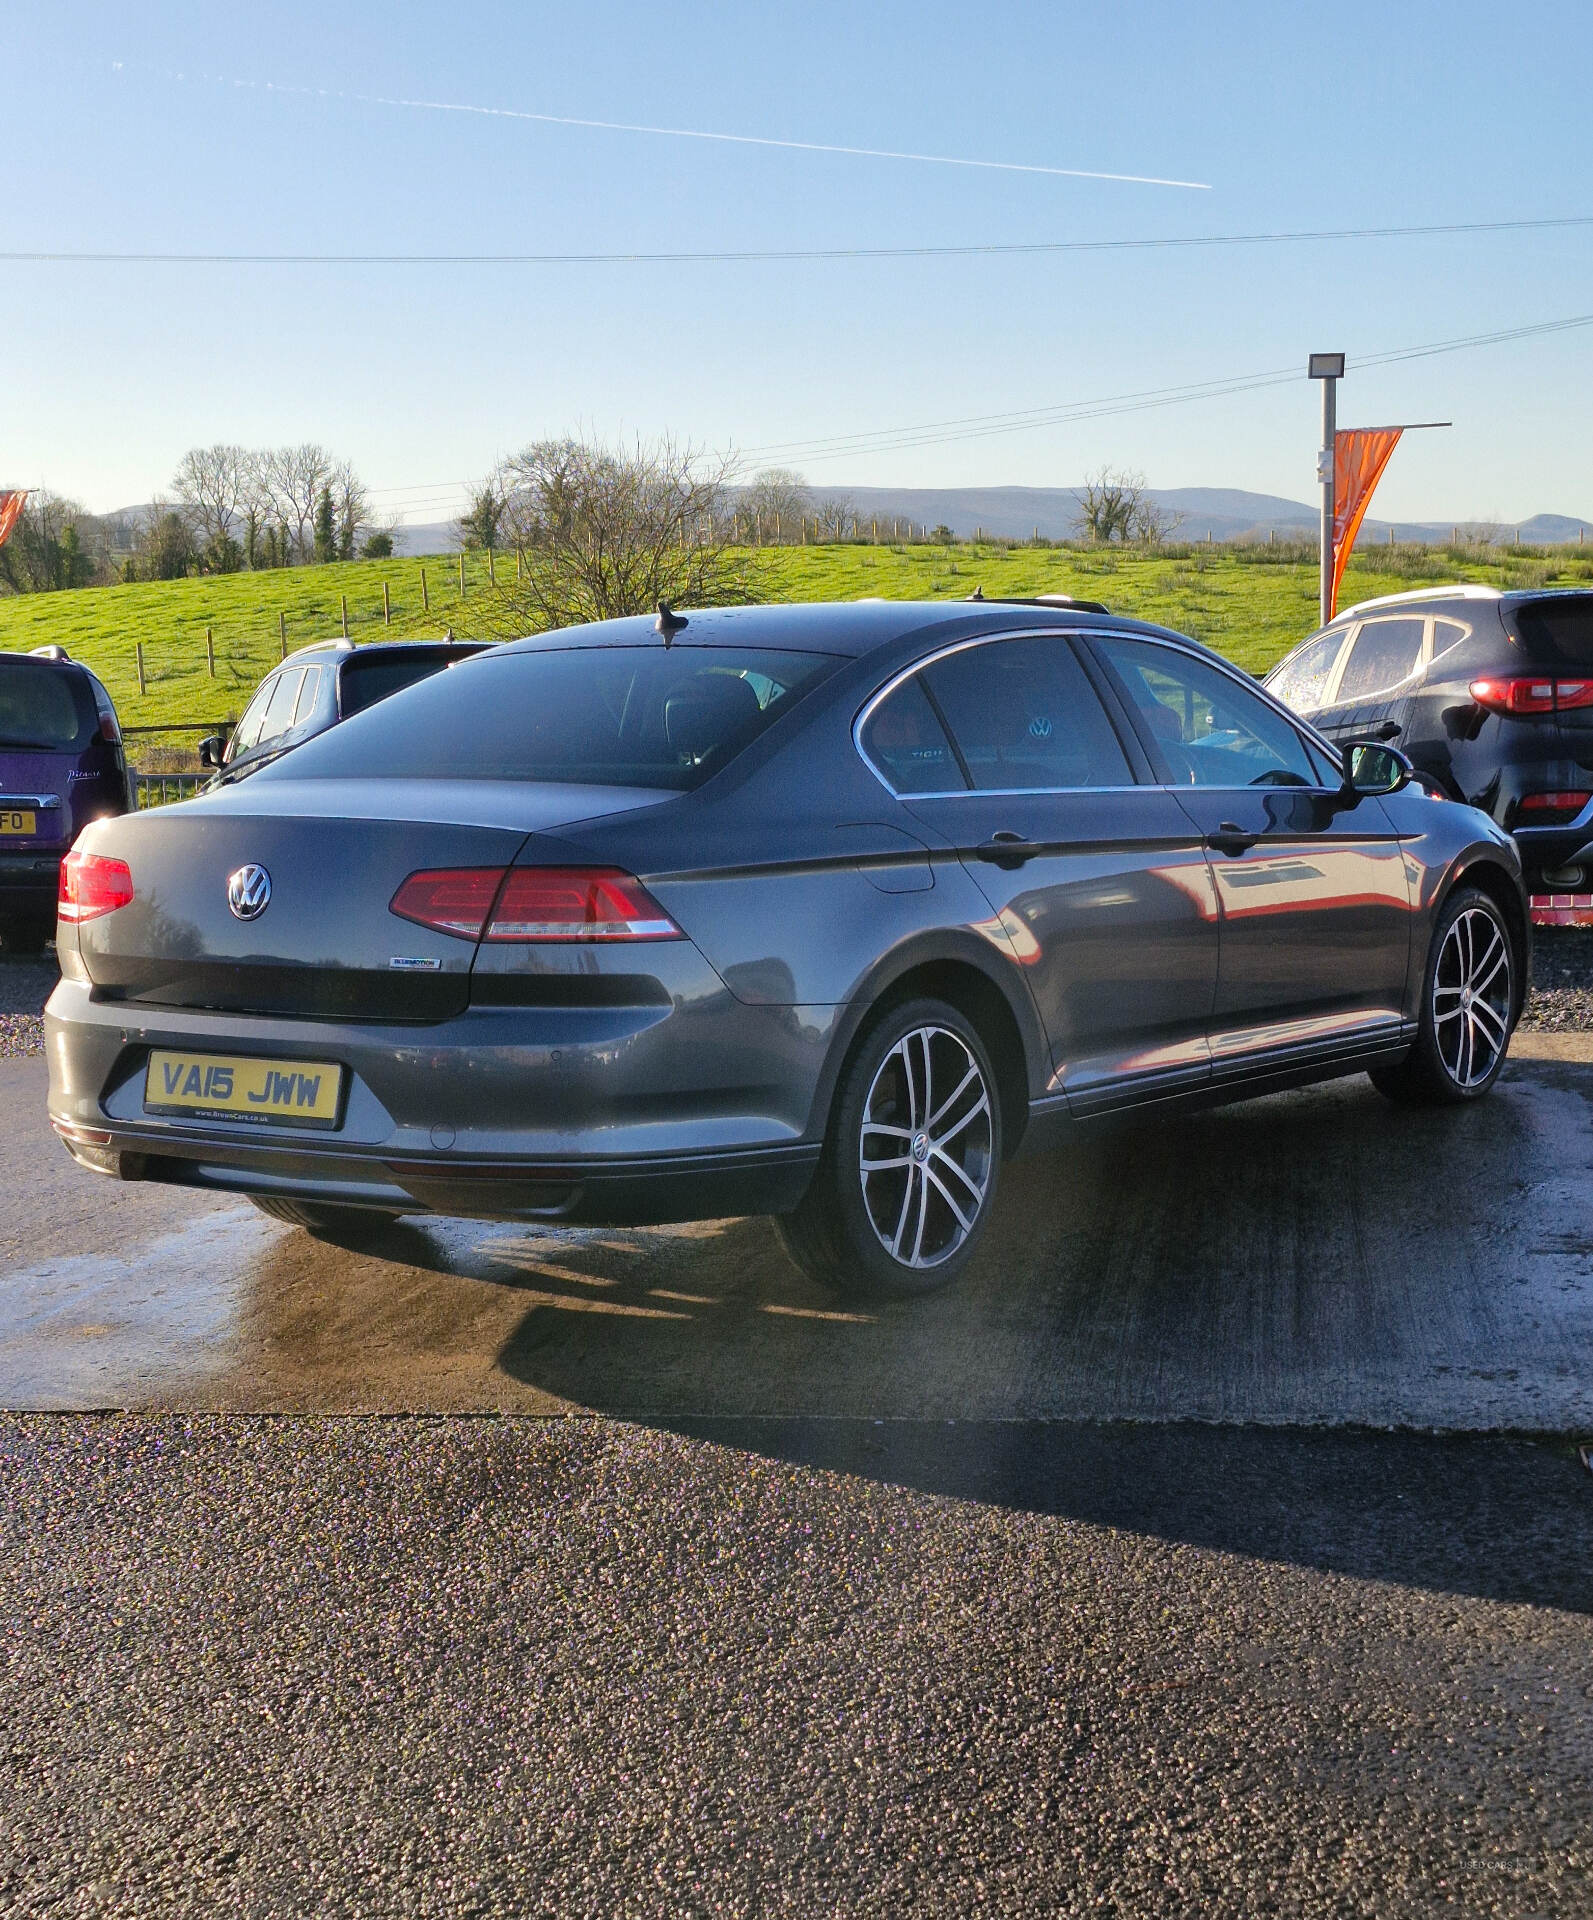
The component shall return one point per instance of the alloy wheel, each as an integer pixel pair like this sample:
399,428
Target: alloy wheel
924,1156
1473,988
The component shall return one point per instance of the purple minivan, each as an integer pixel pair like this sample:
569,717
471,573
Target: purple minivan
61,766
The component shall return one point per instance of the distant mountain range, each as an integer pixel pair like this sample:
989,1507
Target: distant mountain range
1016,513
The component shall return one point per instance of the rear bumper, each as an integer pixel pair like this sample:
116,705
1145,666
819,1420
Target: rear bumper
616,1115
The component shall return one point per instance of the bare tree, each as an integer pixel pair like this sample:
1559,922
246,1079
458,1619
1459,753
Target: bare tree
1108,503
835,516
351,509
1152,524
611,530
775,502
290,480
212,485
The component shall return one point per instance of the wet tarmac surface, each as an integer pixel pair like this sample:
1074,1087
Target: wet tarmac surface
1318,1257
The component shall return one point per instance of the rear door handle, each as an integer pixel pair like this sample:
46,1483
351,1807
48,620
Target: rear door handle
1230,837
1006,850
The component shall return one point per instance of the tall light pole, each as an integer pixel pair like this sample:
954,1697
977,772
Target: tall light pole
1329,369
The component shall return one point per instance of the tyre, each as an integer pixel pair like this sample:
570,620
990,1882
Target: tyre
346,1226
907,1178
1469,1000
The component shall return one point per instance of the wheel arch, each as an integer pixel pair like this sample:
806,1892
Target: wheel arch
965,979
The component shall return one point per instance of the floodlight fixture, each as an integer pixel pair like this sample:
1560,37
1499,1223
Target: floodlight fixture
1326,366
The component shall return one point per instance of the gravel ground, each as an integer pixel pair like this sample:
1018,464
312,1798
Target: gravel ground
1562,990
417,1667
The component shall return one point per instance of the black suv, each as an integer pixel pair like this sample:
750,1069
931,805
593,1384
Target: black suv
320,685
61,766
1490,694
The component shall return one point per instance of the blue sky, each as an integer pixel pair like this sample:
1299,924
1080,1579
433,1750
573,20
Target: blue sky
1298,117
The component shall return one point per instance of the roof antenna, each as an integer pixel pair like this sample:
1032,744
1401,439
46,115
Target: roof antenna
669,623
977,594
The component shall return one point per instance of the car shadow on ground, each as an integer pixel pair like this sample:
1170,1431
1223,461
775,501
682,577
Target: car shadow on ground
1187,1327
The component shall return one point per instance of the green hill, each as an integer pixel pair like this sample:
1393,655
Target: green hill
1251,604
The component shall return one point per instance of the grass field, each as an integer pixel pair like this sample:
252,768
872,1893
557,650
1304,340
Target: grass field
1250,604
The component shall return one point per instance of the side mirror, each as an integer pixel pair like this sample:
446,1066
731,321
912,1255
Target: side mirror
210,750
1372,768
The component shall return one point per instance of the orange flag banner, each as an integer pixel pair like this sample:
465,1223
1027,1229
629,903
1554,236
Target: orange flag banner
10,513
1359,457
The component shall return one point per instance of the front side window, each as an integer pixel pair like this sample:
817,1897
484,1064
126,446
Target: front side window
247,730
279,713
1302,681
1385,652
1025,718
600,716
1211,731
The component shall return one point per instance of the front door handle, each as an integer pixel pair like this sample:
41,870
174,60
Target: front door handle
1006,850
1230,837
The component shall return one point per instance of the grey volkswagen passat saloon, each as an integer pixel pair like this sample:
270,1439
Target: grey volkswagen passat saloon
815,911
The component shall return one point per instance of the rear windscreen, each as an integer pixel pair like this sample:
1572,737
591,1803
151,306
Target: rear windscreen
364,682
1558,633
598,716
38,707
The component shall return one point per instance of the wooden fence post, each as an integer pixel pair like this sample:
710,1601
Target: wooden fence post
425,597
343,598
210,651
461,573
519,562
282,632
387,606
492,567
139,647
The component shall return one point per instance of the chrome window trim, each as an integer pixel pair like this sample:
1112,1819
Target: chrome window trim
880,694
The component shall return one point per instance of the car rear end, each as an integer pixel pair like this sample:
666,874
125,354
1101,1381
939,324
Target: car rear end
445,991
61,766
1533,717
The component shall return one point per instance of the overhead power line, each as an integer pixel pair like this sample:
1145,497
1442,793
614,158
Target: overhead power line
984,426
778,255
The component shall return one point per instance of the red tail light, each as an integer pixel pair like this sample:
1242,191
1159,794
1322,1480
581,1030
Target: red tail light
1570,803
528,904
577,903
452,900
92,885
1526,694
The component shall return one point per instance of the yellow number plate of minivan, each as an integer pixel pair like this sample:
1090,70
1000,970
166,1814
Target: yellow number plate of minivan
299,1093
16,820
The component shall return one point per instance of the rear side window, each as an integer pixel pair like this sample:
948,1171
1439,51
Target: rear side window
906,742
1384,653
364,682
307,695
1558,633
1302,682
600,716
38,707
1026,718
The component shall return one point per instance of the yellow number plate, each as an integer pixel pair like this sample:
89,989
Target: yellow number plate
14,820
299,1093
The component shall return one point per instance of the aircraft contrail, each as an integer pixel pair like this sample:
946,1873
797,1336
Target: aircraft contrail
691,133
